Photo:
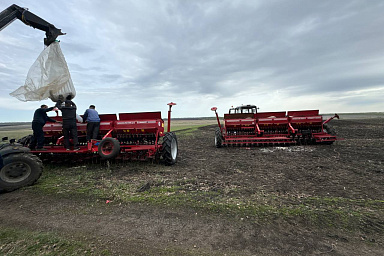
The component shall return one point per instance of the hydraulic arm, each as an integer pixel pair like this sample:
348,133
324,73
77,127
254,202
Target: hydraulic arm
16,12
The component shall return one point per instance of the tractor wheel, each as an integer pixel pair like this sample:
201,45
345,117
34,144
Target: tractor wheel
329,129
170,148
109,148
218,138
20,170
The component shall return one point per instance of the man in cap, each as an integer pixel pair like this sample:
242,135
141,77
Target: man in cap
39,119
69,122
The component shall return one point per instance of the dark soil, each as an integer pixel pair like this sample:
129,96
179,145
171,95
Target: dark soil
349,169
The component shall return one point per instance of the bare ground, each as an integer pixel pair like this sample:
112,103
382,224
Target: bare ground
350,170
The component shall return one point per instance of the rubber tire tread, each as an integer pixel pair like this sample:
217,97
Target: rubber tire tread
219,138
115,149
330,130
167,150
36,170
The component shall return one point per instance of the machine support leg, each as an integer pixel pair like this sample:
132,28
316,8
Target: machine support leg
169,115
169,119
109,134
291,129
217,117
258,129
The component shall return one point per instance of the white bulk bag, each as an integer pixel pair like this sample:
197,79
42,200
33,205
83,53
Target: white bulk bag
48,77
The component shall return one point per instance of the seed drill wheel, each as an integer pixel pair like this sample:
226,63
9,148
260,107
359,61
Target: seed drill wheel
109,148
20,170
329,129
218,138
170,148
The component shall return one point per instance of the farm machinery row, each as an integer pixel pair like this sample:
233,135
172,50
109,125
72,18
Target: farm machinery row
126,135
244,126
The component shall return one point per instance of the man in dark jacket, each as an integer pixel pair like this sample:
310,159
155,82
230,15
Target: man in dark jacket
69,122
93,122
39,119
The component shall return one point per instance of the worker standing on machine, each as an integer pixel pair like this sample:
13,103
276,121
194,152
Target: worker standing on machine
39,119
69,122
93,122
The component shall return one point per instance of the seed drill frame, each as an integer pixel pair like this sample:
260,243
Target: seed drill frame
128,135
244,126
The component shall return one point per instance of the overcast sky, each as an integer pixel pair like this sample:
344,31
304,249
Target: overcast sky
133,56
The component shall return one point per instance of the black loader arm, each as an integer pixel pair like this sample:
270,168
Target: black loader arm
16,12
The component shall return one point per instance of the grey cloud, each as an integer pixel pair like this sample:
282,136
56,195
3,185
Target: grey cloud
76,48
205,57
223,49
110,78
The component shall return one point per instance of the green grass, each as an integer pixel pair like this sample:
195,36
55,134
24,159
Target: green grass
90,183
101,184
15,134
79,182
187,129
24,242
333,215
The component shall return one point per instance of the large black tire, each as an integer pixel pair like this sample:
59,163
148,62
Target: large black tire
218,138
329,129
170,148
20,170
109,148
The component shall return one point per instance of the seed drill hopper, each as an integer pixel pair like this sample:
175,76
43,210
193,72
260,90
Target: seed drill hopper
126,135
244,126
